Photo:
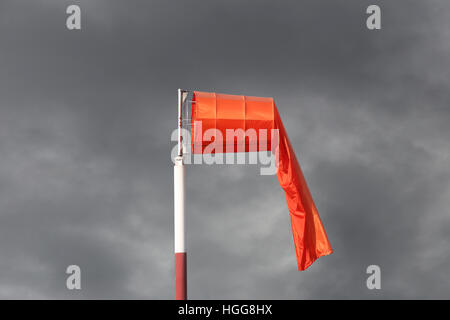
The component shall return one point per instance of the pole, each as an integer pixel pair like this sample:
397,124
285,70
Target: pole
179,204
180,250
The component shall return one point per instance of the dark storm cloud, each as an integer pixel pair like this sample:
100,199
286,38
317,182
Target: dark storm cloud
85,122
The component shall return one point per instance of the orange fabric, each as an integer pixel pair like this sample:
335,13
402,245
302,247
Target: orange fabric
220,111
224,111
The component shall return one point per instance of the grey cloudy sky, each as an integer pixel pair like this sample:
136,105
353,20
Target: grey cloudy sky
85,170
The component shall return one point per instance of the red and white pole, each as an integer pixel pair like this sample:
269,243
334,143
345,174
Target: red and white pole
179,204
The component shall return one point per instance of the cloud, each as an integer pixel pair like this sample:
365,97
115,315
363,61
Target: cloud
85,171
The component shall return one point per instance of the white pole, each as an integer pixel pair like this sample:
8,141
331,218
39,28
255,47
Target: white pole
179,204
180,121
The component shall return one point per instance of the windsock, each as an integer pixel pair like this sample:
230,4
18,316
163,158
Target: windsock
256,119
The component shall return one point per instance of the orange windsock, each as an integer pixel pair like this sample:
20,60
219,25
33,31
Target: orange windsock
213,114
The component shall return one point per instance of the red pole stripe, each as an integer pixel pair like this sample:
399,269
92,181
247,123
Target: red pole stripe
180,276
